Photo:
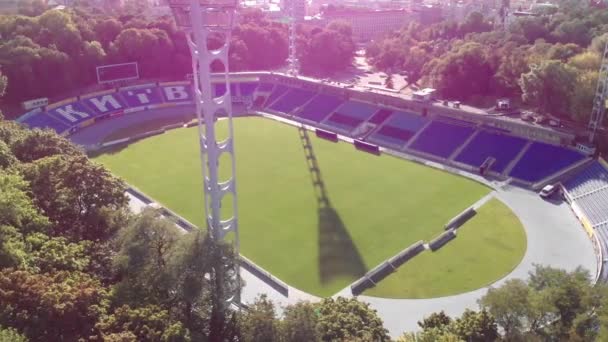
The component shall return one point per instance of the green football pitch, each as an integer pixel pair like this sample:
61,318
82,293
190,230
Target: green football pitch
377,207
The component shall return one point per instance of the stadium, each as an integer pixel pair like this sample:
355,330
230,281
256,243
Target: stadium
412,204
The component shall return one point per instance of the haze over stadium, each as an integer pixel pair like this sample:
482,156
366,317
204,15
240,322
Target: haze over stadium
375,168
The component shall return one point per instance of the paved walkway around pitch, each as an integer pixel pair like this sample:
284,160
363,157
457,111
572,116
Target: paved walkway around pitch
554,237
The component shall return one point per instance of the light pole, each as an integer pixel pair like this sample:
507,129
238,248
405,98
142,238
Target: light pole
208,26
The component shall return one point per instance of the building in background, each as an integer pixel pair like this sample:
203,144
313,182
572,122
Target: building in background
367,24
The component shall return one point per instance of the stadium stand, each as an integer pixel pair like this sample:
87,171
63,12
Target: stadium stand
43,120
350,115
399,128
319,107
380,116
503,148
543,160
248,88
441,139
220,89
265,86
291,100
589,190
277,92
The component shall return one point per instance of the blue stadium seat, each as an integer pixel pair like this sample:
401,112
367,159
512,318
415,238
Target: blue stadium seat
132,96
590,179
399,128
380,116
265,87
277,92
220,88
441,139
407,121
319,107
503,148
42,120
291,100
247,88
542,160
358,110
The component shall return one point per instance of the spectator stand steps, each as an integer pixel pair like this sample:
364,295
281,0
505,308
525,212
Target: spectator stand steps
516,160
463,146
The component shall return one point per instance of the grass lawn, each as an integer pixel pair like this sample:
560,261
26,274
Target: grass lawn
486,248
378,205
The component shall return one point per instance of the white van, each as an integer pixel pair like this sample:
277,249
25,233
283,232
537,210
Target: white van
549,190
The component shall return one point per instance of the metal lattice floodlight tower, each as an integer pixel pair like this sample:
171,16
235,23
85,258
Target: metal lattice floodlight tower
292,68
601,96
208,25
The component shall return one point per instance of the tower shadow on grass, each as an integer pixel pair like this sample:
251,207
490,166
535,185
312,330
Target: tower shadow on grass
338,255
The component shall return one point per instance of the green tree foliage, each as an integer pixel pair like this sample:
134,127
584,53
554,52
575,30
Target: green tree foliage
259,322
83,200
18,217
327,51
45,307
435,320
463,72
299,323
548,87
159,265
38,144
145,247
11,335
552,304
147,323
345,319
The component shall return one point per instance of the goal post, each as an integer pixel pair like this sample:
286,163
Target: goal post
113,73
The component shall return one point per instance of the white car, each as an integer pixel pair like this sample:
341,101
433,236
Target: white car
549,190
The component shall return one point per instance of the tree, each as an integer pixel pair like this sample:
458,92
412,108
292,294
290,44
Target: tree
146,323
328,51
349,319
598,44
463,72
3,83
57,254
259,322
107,30
474,23
300,323
38,144
475,326
11,335
144,250
47,306
435,320
508,305
573,31
82,199
548,87
18,217
512,65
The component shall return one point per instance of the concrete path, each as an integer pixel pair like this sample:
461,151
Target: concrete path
555,238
